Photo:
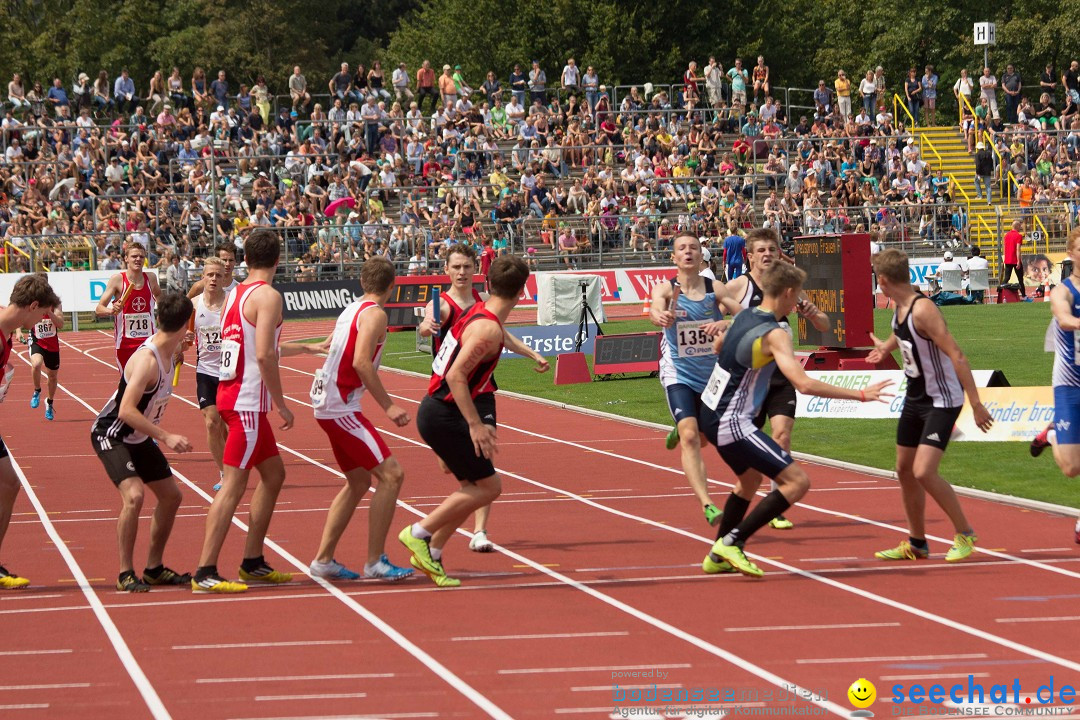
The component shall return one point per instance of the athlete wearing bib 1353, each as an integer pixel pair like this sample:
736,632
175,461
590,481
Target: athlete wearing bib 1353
686,354
1066,379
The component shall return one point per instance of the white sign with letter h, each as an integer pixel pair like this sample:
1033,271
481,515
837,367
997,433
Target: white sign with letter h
985,33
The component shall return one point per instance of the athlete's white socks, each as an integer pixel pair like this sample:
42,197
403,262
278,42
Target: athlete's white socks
419,532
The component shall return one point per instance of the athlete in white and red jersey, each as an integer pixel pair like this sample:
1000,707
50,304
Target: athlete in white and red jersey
351,369
205,335
130,297
455,302
249,381
45,353
457,418
30,297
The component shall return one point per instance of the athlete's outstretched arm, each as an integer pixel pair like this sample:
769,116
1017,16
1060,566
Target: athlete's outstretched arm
266,302
142,374
778,344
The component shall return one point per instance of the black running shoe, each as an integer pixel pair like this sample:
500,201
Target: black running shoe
129,582
166,576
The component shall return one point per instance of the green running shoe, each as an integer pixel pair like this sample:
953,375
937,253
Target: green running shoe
672,439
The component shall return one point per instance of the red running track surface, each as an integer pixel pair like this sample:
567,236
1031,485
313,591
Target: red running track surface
596,582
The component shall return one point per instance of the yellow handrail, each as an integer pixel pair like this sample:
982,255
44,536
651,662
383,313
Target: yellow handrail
7,257
1046,234
1007,179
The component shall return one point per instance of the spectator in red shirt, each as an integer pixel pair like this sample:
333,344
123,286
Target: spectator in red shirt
486,257
1013,240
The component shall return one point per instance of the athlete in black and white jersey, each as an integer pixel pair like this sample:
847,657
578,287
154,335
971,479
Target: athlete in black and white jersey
753,348
124,436
938,376
206,336
763,248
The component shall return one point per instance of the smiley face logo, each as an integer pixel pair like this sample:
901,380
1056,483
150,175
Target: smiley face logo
862,693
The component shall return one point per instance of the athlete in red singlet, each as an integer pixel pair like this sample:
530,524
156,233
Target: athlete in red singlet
30,297
249,386
45,353
457,418
130,297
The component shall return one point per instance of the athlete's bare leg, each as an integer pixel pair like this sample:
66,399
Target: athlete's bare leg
9,490
161,524
263,502
448,517
215,434
132,491
220,515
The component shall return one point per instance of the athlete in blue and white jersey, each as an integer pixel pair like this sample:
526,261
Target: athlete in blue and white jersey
1064,433
753,348
690,311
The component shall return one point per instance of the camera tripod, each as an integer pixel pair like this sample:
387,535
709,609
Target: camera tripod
586,315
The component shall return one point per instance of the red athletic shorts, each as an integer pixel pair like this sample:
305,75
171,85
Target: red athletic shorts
251,439
355,442
124,353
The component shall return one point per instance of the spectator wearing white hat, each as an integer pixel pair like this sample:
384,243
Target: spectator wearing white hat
706,260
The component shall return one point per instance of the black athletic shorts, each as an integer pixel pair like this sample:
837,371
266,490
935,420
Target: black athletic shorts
759,452
924,424
121,460
443,428
206,387
3,449
51,357
779,400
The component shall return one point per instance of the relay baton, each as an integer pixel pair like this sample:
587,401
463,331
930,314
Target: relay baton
436,311
674,297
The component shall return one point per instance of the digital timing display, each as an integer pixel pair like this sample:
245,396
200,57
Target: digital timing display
617,349
821,258
401,317
417,291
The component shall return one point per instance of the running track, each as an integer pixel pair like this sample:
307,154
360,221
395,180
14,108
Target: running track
597,573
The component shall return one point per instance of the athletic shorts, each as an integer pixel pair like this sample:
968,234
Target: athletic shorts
755,452
122,460
924,424
355,442
445,430
124,353
3,449
206,390
51,357
779,400
685,402
250,440
1067,414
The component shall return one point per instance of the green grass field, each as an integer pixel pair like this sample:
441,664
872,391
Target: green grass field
1005,337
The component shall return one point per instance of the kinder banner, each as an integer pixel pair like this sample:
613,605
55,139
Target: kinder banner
814,407
78,291
552,340
1020,413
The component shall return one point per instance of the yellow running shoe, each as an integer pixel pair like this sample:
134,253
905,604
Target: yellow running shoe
439,577
11,581
963,546
781,523
265,574
217,584
904,551
711,567
420,550
733,555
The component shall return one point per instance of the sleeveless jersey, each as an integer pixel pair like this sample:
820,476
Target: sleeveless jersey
152,403
241,387
337,388
741,379
479,380
455,314
43,334
753,295
135,323
207,337
1067,345
686,354
931,377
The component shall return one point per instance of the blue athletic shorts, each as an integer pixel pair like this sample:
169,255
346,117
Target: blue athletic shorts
758,452
1067,414
685,402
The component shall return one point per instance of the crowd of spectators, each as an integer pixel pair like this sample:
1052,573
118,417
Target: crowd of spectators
417,161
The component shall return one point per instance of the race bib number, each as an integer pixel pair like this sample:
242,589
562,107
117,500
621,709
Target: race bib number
230,359
691,338
211,339
714,389
442,360
318,389
137,326
44,329
157,409
907,354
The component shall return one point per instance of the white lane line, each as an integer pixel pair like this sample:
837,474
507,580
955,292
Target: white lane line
25,706
833,559
888,658
1047,550
840,626
326,696
608,688
939,676
293,678
593,668
64,651
634,612
284,643
443,672
127,659
542,636
607,710
28,596
49,686
1065,618
378,716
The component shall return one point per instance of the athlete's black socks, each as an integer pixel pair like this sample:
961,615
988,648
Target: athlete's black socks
153,572
252,564
918,543
205,571
774,504
734,511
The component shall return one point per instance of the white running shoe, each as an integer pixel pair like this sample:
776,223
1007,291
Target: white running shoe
332,570
480,542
